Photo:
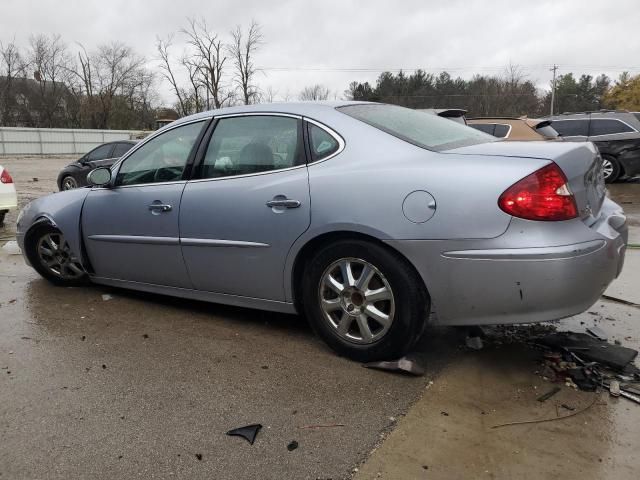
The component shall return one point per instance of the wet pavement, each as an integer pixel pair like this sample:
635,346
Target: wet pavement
140,385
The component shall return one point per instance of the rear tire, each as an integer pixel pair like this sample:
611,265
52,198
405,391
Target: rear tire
50,255
611,168
365,301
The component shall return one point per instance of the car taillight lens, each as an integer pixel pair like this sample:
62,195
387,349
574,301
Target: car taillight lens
543,195
5,177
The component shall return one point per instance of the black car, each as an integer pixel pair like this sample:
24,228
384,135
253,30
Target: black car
74,175
616,133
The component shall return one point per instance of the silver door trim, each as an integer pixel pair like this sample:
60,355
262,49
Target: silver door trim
135,239
210,242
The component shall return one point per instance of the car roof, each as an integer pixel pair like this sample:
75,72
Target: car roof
294,108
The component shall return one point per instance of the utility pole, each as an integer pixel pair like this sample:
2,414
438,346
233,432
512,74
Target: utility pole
553,86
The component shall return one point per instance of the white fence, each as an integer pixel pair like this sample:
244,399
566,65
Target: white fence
57,141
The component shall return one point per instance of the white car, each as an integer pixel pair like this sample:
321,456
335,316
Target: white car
8,197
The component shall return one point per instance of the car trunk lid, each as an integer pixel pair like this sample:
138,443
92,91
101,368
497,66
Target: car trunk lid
580,162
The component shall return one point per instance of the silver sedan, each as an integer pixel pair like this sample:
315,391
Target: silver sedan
364,217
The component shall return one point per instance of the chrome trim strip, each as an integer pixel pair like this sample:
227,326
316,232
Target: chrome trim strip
206,242
230,177
262,114
533,253
136,239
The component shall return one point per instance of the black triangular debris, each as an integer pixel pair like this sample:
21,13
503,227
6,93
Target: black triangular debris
249,432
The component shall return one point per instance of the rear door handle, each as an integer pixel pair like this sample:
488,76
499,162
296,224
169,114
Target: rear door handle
283,203
160,206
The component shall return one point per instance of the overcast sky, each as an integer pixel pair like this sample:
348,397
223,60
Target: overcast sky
334,42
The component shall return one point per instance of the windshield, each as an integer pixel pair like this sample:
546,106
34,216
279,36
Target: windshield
419,128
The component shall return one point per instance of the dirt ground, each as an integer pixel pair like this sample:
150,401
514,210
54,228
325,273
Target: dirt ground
138,385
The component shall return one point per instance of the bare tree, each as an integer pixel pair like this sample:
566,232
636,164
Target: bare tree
162,46
209,57
109,75
50,60
243,49
314,92
270,94
12,67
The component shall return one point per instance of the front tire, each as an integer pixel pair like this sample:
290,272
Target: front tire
611,168
68,183
50,255
365,301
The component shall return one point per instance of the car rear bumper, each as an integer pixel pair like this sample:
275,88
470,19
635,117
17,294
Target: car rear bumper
496,284
8,198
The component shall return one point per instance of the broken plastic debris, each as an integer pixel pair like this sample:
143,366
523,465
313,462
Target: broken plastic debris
402,365
106,297
598,333
11,248
292,446
248,432
614,388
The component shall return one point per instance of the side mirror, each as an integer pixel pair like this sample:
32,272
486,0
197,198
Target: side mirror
99,177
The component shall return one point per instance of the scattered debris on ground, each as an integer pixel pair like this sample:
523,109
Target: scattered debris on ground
11,248
402,365
548,395
248,432
292,446
106,297
330,425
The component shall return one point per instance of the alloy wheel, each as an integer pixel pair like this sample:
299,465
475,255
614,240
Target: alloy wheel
55,255
69,183
607,168
357,300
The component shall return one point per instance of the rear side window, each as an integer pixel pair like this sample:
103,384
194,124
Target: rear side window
100,153
120,149
501,130
571,128
252,144
322,143
484,127
427,131
608,126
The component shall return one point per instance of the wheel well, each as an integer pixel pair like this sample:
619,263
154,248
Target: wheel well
315,244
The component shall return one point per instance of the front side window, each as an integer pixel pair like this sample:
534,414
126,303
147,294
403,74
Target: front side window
253,144
420,129
322,143
571,128
100,153
608,126
161,159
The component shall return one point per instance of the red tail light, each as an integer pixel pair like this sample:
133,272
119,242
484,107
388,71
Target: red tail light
5,177
543,195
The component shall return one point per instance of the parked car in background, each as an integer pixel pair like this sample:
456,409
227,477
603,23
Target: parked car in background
616,133
8,197
455,114
511,128
360,215
74,175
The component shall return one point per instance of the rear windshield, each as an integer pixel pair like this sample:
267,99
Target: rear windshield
419,128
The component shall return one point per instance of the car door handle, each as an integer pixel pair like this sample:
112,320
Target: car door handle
283,202
160,206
